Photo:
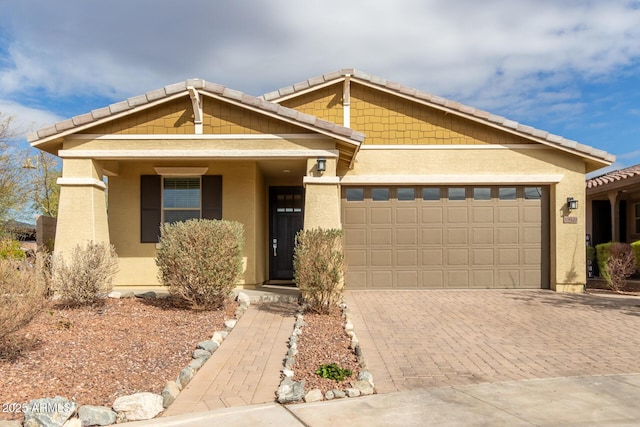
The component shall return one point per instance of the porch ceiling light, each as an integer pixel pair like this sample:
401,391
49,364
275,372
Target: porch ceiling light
321,164
572,203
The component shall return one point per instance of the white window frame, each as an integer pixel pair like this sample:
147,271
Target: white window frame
162,188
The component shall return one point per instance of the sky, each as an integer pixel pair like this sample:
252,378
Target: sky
570,67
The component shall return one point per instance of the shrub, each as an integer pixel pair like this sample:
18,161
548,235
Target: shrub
10,249
635,247
621,264
200,260
603,251
319,267
87,275
23,290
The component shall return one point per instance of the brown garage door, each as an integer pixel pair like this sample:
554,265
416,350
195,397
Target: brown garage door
446,237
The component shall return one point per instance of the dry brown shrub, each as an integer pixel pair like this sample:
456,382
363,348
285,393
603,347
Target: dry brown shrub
621,264
23,290
86,277
319,268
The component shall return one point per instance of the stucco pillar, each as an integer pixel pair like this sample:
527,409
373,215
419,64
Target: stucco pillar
322,196
614,201
82,212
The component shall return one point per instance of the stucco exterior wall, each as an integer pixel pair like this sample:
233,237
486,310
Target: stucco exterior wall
239,203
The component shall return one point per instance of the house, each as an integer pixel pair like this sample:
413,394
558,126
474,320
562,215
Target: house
430,193
613,206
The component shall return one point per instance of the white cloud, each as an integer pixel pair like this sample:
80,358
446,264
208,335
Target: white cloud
25,119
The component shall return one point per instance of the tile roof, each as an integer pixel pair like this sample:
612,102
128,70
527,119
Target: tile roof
441,103
130,105
614,176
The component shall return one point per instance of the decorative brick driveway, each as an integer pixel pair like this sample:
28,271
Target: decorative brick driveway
420,339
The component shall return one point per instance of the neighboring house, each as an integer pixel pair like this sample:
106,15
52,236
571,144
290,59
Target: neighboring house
430,193
613,206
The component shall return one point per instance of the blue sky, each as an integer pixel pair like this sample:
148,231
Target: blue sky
571,67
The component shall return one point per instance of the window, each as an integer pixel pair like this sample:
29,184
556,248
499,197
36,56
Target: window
355,194
380,194
289,203
406,194
457,193
532,193
507,193
176,199
482,193
430,193
180,199
636,211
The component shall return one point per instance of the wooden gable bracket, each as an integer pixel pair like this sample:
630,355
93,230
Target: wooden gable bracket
346,101
196,101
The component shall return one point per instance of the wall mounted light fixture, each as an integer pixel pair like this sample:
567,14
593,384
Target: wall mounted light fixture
572,203
321,164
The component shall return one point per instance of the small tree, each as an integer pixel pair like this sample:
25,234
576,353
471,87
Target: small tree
200,260
12,183
44,189
319,267
87,276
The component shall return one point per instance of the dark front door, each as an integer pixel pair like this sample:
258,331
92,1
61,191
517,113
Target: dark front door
285,219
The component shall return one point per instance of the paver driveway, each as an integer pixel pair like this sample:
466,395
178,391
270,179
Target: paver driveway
434,338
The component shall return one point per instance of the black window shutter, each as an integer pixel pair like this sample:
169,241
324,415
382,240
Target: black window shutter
150,208
212,196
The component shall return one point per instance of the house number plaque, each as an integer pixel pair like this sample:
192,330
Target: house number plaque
570,219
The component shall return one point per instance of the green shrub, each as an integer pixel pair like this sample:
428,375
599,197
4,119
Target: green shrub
334,372
603,251
10,249
319,267
23,290
86,276
200,260
621,264
635,247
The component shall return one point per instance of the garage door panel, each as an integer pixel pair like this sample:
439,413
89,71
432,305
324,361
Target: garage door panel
381,257
457,214
407,279
457,279
482,214
355,216
381,236
433,215
432,257
356,237
433,279
432,236
489,239
456,257
408,215
380,215
406,237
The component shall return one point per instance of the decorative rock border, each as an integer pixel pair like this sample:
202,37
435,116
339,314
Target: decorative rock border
59,411
291,391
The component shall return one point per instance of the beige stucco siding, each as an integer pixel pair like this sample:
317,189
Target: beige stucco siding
508,166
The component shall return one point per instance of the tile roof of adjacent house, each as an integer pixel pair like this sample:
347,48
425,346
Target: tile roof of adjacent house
135,103
442,104
614,176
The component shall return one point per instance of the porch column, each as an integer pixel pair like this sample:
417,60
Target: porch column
614,201
82,213
322,196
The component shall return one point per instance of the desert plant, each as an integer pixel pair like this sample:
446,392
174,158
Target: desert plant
200,260
620,265
319,267
603,252
23,289
635,247
86,275
333,371
10,249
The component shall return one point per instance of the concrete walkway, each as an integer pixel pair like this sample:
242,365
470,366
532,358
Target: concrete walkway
577,401
245,370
